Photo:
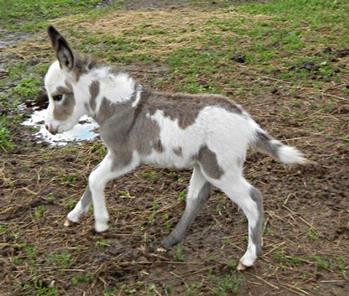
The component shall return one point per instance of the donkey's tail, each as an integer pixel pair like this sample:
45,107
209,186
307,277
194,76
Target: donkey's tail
287,154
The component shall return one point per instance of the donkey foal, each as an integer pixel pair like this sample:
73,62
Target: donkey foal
208,133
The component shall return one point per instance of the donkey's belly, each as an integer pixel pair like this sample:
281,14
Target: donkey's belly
169,159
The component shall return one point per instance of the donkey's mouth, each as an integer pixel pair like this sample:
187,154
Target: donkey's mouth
51,130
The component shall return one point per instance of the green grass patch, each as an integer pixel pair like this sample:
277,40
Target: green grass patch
33,15
226,285
6,143
81,278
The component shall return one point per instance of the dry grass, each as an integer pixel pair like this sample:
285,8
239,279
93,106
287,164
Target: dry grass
306,228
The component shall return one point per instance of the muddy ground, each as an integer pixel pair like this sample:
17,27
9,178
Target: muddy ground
306,234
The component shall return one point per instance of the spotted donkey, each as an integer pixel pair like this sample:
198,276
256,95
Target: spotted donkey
205,132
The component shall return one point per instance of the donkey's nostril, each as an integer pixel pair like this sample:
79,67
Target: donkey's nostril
46,126
53,132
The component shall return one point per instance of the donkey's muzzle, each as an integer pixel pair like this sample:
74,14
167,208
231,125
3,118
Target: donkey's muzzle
51,129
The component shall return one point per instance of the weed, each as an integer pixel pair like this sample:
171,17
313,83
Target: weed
279,256
193,289
5,139
155,206
126,194
41,289
109,292
313,234
61,260
102,243
70,179
81,278
3,229
227,284
182,196
150,175
39,212
232,264
167,223
179,256
151,290
322,262
69,204
30,252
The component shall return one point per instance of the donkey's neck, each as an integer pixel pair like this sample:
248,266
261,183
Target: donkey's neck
111,93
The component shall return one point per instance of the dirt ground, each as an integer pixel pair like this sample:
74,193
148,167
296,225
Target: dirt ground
306,232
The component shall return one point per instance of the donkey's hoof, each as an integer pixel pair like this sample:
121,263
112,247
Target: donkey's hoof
72,217
241,267
170,241
101,226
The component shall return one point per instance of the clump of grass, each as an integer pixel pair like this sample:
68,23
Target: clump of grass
226,285
81,278
313,234
41,289
6,143
39,212
61,259
150,175
179,255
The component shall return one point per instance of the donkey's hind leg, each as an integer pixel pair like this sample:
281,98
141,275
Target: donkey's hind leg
250,201
198,193
80,208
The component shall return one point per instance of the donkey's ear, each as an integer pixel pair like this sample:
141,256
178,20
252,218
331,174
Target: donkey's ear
63,51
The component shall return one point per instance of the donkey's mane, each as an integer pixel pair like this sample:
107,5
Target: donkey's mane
84,64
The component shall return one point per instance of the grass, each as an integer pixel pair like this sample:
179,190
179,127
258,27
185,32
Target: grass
33,15
291,64
6,143
227,285
60,260
81,278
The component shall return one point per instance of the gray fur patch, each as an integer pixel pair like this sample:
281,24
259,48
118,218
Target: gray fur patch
83,64
257,230
190,213
94,91
125,129
264,144
208,161
178,151
62,110
185,107
86,198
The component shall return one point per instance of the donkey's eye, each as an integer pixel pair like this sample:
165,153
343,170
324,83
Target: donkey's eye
57,98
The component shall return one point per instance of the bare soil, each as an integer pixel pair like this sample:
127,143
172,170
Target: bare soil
306,237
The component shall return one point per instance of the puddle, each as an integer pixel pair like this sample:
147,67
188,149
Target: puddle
85,130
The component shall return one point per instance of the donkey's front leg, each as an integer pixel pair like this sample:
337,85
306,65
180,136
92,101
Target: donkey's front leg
110,168
80,208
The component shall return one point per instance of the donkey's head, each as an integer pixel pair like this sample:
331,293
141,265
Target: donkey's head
67,97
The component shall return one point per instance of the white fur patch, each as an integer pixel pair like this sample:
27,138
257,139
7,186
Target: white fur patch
117,88
138,97
290,155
